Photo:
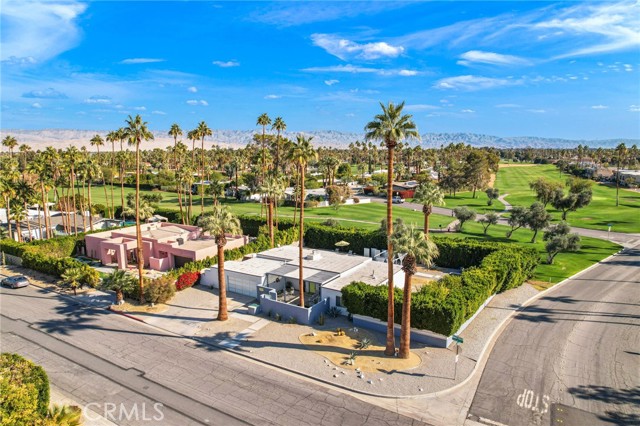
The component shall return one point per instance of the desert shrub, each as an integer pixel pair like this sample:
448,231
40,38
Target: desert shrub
160,290
186,280
356,200
331,223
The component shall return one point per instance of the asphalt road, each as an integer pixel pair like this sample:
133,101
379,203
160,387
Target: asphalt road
112,363
572,357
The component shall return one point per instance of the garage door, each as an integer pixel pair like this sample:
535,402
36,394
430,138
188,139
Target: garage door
240,286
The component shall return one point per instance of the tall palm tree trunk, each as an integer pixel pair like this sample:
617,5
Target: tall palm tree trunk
270,219
138,230
89,196
40,233
112,215
121,183
26,209
45,211
301,237
83,208
202,178
427,213
73,195
409,266
390,349
180,200
6,202
104,186
222,296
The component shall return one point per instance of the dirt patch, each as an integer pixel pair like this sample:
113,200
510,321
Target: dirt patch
541,285
492,180
372,359
130,306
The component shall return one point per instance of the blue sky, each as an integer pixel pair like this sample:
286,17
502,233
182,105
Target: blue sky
549,69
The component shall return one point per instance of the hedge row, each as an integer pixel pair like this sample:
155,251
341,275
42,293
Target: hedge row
444,306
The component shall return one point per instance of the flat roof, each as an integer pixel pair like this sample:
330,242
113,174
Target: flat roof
337,262
308,274
254,266
198,245
374,273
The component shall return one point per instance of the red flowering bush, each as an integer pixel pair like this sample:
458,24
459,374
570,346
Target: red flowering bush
187,280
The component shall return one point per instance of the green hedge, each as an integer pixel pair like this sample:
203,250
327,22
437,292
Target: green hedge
20,375
444,306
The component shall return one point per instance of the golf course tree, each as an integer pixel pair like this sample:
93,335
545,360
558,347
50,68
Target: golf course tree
10,142
416,248
175,131
263,120
559,240
391,127
492,194
272,190
487,220
301,153
546,190
538,218
219,223
136,132
279,126
202,131
428,194
518,217
121,282
580,195
463,214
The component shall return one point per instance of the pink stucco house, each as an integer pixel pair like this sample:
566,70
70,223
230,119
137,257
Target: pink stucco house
164,245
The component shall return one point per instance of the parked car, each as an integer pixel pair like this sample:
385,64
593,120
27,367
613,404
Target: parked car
16,281
397,200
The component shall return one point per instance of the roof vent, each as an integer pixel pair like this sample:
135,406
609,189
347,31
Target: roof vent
314,255
180,241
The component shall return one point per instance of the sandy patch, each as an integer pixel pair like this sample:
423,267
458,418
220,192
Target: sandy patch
492,180
337,349
136,307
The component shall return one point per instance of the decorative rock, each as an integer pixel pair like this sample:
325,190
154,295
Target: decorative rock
420,389
326,362
358,369
343,372
335,368
381,379
335,375
370,382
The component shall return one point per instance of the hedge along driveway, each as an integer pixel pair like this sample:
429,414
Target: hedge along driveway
597,215
565,265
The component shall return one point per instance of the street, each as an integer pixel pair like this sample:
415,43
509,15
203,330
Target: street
572,357
144,376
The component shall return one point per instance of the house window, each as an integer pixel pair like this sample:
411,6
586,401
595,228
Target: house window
339,301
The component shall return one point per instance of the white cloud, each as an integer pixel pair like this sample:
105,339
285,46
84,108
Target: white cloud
331,82
98,99
140,108
508,106
467,111
49,93
38,30
537,111
599,107
420,107
353,69
345,49
131,61
158,112
197,102
36,105
472,82
628,67
272,97
226,64
407,73
634,108
491,58
193,89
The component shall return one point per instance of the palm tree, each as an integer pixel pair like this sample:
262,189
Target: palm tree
263,120
73,278
18,215
122,135
97,141
8,178
216,190
175,131
137,131
218,224
391,127
621,153
300,153
72,157
112,137
272,190
39,168
417,249
279,126
24,149
119,281
92,172
202,131
428,194
63,415
10,142
25,194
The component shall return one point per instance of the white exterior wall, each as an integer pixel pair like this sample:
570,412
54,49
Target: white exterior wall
236,282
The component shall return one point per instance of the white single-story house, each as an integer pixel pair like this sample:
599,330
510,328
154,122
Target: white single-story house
325,273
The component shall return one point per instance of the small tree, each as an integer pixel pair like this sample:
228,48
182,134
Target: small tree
73,279
120,282
517,219
488,220
572,202
559,240
463,215
537,218
545,189
492,194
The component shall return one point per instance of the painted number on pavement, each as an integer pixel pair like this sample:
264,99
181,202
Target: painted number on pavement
531,401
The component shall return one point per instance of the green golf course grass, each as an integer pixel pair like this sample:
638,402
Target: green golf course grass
601,212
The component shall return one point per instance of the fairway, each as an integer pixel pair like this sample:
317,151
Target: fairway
592,250
597,215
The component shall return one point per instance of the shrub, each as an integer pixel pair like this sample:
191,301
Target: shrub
25,390
331,223
188,279
356,200
160,290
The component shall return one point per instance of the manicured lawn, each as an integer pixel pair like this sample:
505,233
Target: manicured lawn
565,264
597,215
479,204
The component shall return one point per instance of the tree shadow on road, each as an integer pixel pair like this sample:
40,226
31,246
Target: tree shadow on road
608,395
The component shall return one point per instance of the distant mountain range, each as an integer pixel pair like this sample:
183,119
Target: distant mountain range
61,138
